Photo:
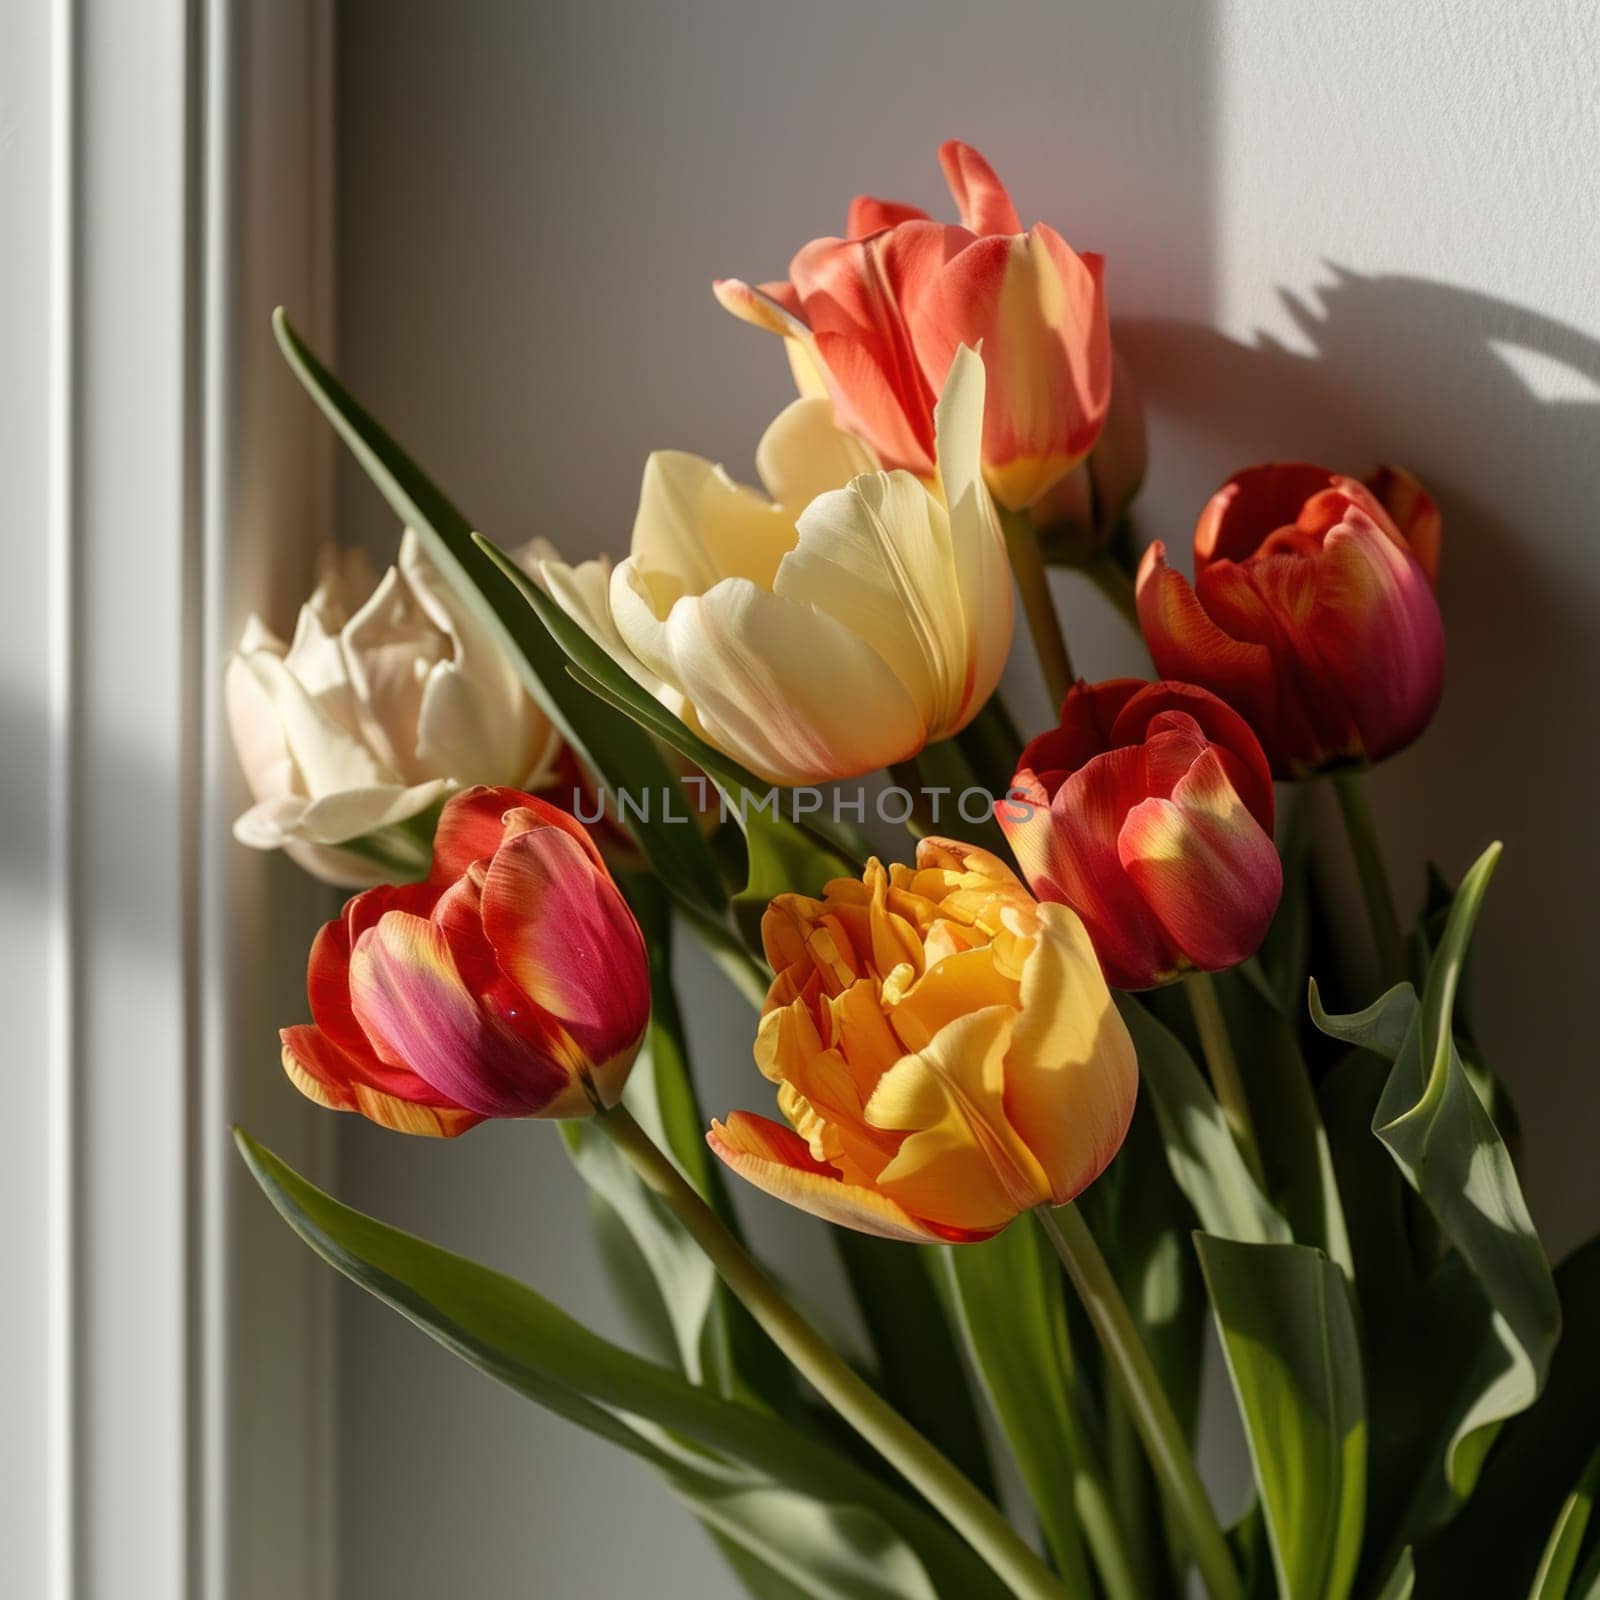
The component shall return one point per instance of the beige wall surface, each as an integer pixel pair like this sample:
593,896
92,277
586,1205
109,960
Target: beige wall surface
1350,232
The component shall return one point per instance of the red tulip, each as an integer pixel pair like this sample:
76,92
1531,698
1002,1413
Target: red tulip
511,983
1149,812
875,319
1312,612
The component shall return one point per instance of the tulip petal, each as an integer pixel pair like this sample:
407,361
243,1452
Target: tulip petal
868,215
1187,645
1412,511
564,935
317,1068
775,307
409,998
1070,854
1037,309
850,293
981,198
328,990
977,544
584,593
961,1160
696,526
1071,1073
782,687
1088,717
1244,759
476,822
1208,871
327,752
876,557
805,453
1253,504
776,1159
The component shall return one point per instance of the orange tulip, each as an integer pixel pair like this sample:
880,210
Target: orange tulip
945,1049
875,319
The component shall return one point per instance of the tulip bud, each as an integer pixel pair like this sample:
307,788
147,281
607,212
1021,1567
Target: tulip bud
877,318
946,1052
511,983
1311,612
389,696
826,631
1149,812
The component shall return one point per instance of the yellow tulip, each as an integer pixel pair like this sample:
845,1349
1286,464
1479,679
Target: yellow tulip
831,626
946,1052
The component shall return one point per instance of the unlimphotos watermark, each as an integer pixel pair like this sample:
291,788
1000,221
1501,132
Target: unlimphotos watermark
892,803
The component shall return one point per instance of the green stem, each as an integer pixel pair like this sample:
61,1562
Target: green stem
1350,787
943,767
1114,583
1217,1047
1038,606
1152,1412
973,1516
749,976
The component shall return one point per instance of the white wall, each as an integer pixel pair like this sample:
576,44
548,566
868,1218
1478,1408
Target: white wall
1347,231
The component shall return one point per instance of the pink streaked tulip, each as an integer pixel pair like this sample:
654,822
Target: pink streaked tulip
875,319
1312,612
945,1051
1149,812
511,983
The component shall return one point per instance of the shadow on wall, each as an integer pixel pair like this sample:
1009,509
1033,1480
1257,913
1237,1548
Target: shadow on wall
1495,408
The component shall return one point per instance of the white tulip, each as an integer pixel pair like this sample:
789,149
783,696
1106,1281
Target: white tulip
817,631
390,696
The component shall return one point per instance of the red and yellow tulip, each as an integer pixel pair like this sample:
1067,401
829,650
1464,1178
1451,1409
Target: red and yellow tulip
1312,612
946,1052
1149,812
874,320
511,983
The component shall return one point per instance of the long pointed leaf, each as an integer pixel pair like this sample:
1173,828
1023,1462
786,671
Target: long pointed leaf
1289,1339
1009,1305
919,1370
1204,1159
1436,1128
1559,1562
513,1334
615,750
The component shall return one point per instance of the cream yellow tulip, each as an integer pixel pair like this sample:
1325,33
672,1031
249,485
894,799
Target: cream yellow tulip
833,625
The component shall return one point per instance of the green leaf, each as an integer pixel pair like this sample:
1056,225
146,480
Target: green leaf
611,747
793,1501
1560,1559
1293,1356
1204,1160
1494,1541
1401,1580
1007,1298
1436,1128
919,1370
784,859
1294,1145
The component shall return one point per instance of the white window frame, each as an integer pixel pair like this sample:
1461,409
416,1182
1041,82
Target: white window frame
165,1345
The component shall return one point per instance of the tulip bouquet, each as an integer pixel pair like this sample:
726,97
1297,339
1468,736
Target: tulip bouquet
1055,1065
